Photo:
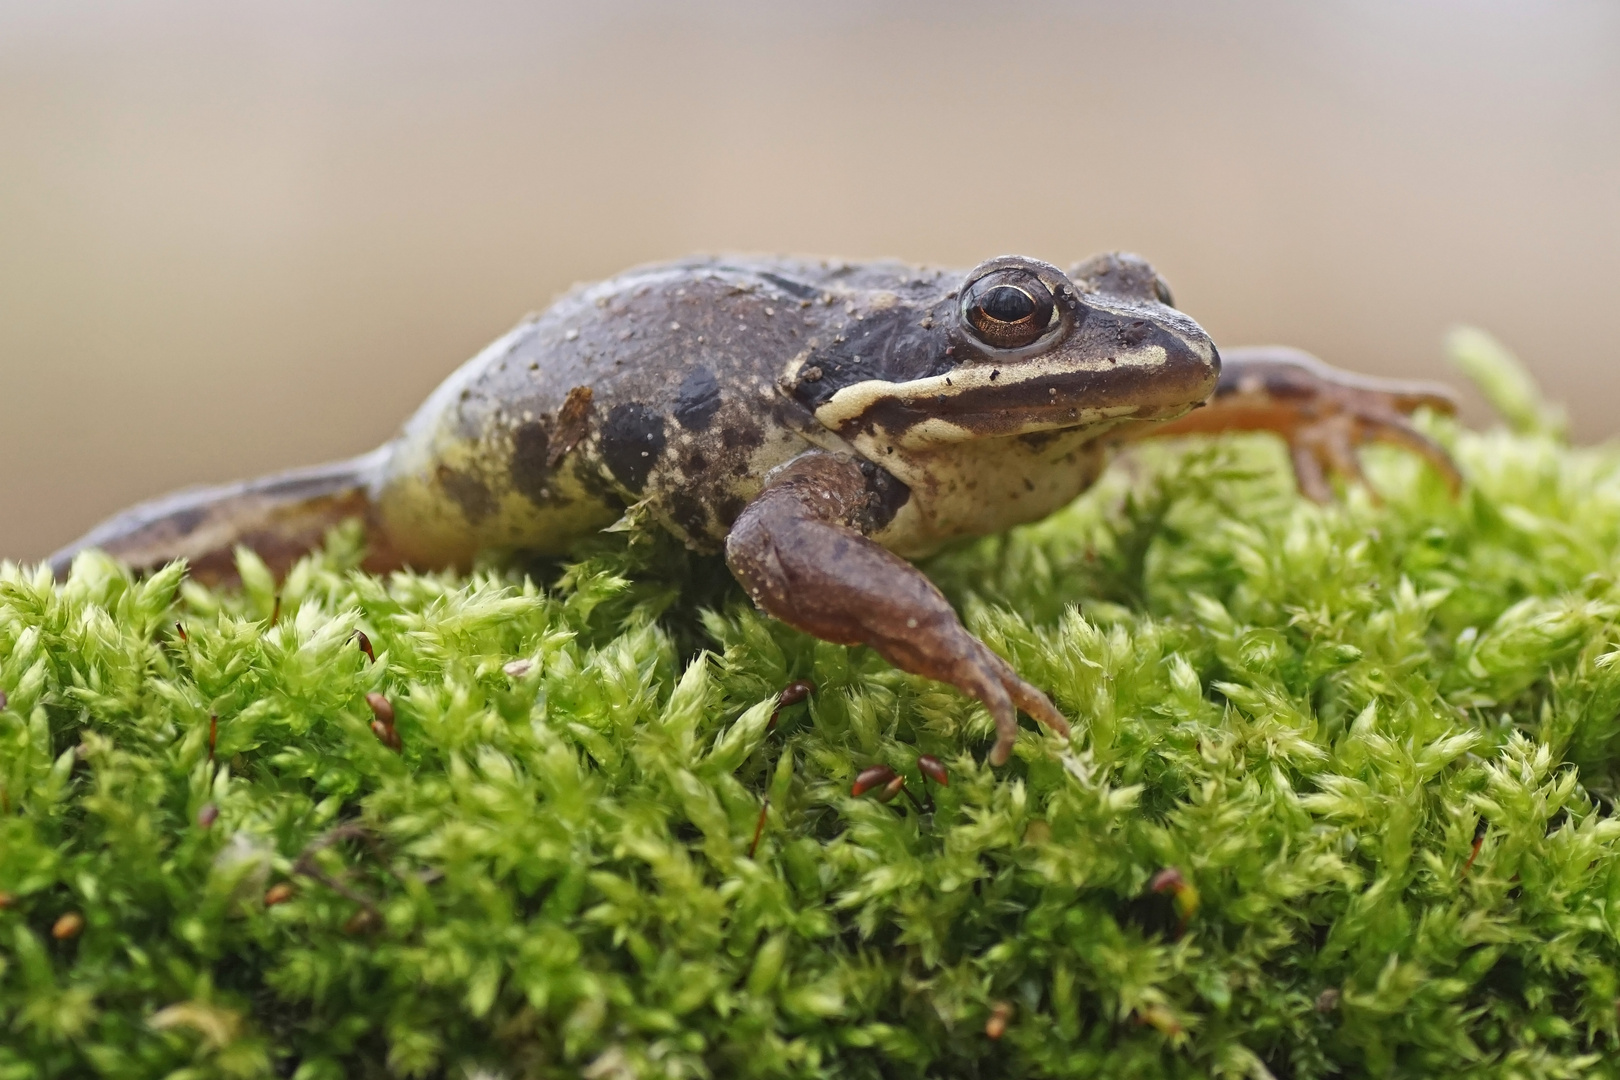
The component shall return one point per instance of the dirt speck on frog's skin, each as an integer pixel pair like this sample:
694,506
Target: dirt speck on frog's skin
815,420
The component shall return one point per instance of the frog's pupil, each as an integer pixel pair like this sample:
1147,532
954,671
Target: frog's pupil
1007,303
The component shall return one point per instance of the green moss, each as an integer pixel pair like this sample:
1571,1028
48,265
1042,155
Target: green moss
1311,714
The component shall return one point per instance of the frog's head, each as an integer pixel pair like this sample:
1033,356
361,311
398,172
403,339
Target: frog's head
1021,347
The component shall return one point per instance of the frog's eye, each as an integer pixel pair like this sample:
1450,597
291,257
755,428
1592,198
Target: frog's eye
1008,309
1161,291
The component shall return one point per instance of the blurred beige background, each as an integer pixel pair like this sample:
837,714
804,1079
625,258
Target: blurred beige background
236,237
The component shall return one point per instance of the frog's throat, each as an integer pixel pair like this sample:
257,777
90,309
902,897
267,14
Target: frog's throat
983,401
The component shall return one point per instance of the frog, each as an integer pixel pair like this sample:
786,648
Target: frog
820,423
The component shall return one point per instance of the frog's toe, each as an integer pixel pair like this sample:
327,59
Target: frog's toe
1309,474
1006,718
1397,430
1327,445
1024,696
1040,707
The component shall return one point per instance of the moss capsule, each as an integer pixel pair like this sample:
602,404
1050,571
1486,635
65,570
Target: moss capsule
1000,1016
381,708
388,735
793,693
869,778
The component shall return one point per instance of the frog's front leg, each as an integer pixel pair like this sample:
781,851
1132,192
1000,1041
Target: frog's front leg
799,550
1323,413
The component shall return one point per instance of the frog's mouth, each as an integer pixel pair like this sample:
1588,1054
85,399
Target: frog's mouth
1115,370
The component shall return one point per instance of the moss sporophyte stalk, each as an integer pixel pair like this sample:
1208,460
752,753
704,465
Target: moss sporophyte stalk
1339,800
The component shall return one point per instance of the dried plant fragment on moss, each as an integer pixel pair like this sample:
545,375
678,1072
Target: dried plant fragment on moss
1377,745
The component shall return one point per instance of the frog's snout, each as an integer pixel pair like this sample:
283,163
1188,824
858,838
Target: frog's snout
1155,357
1191,356
1192,365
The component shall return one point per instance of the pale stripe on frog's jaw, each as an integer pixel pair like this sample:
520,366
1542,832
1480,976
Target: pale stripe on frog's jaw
846,409
1061,390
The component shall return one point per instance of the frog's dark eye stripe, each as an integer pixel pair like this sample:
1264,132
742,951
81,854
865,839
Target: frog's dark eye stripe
1008,308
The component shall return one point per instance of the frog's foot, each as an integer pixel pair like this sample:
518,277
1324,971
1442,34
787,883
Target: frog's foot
798,552
1023,695
1323,413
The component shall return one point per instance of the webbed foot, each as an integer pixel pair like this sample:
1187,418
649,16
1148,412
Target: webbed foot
1323,413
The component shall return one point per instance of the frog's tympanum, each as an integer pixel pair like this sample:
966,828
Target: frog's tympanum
819,422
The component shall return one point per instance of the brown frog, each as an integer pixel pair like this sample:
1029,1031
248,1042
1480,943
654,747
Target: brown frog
818,421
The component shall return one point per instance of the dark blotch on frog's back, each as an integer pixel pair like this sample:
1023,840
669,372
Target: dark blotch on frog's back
697,400
186,521
741,436
885,496
796,289
687,511
892,345
632,439
729,509
468,492
531,462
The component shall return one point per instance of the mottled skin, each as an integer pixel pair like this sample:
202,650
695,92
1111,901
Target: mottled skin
705,375
815,420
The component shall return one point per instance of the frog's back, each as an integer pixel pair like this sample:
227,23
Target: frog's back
658,385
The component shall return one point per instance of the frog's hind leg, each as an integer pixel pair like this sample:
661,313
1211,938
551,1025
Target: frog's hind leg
1323,413
798,549
281,517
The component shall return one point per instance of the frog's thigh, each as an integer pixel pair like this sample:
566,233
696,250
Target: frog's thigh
796,550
